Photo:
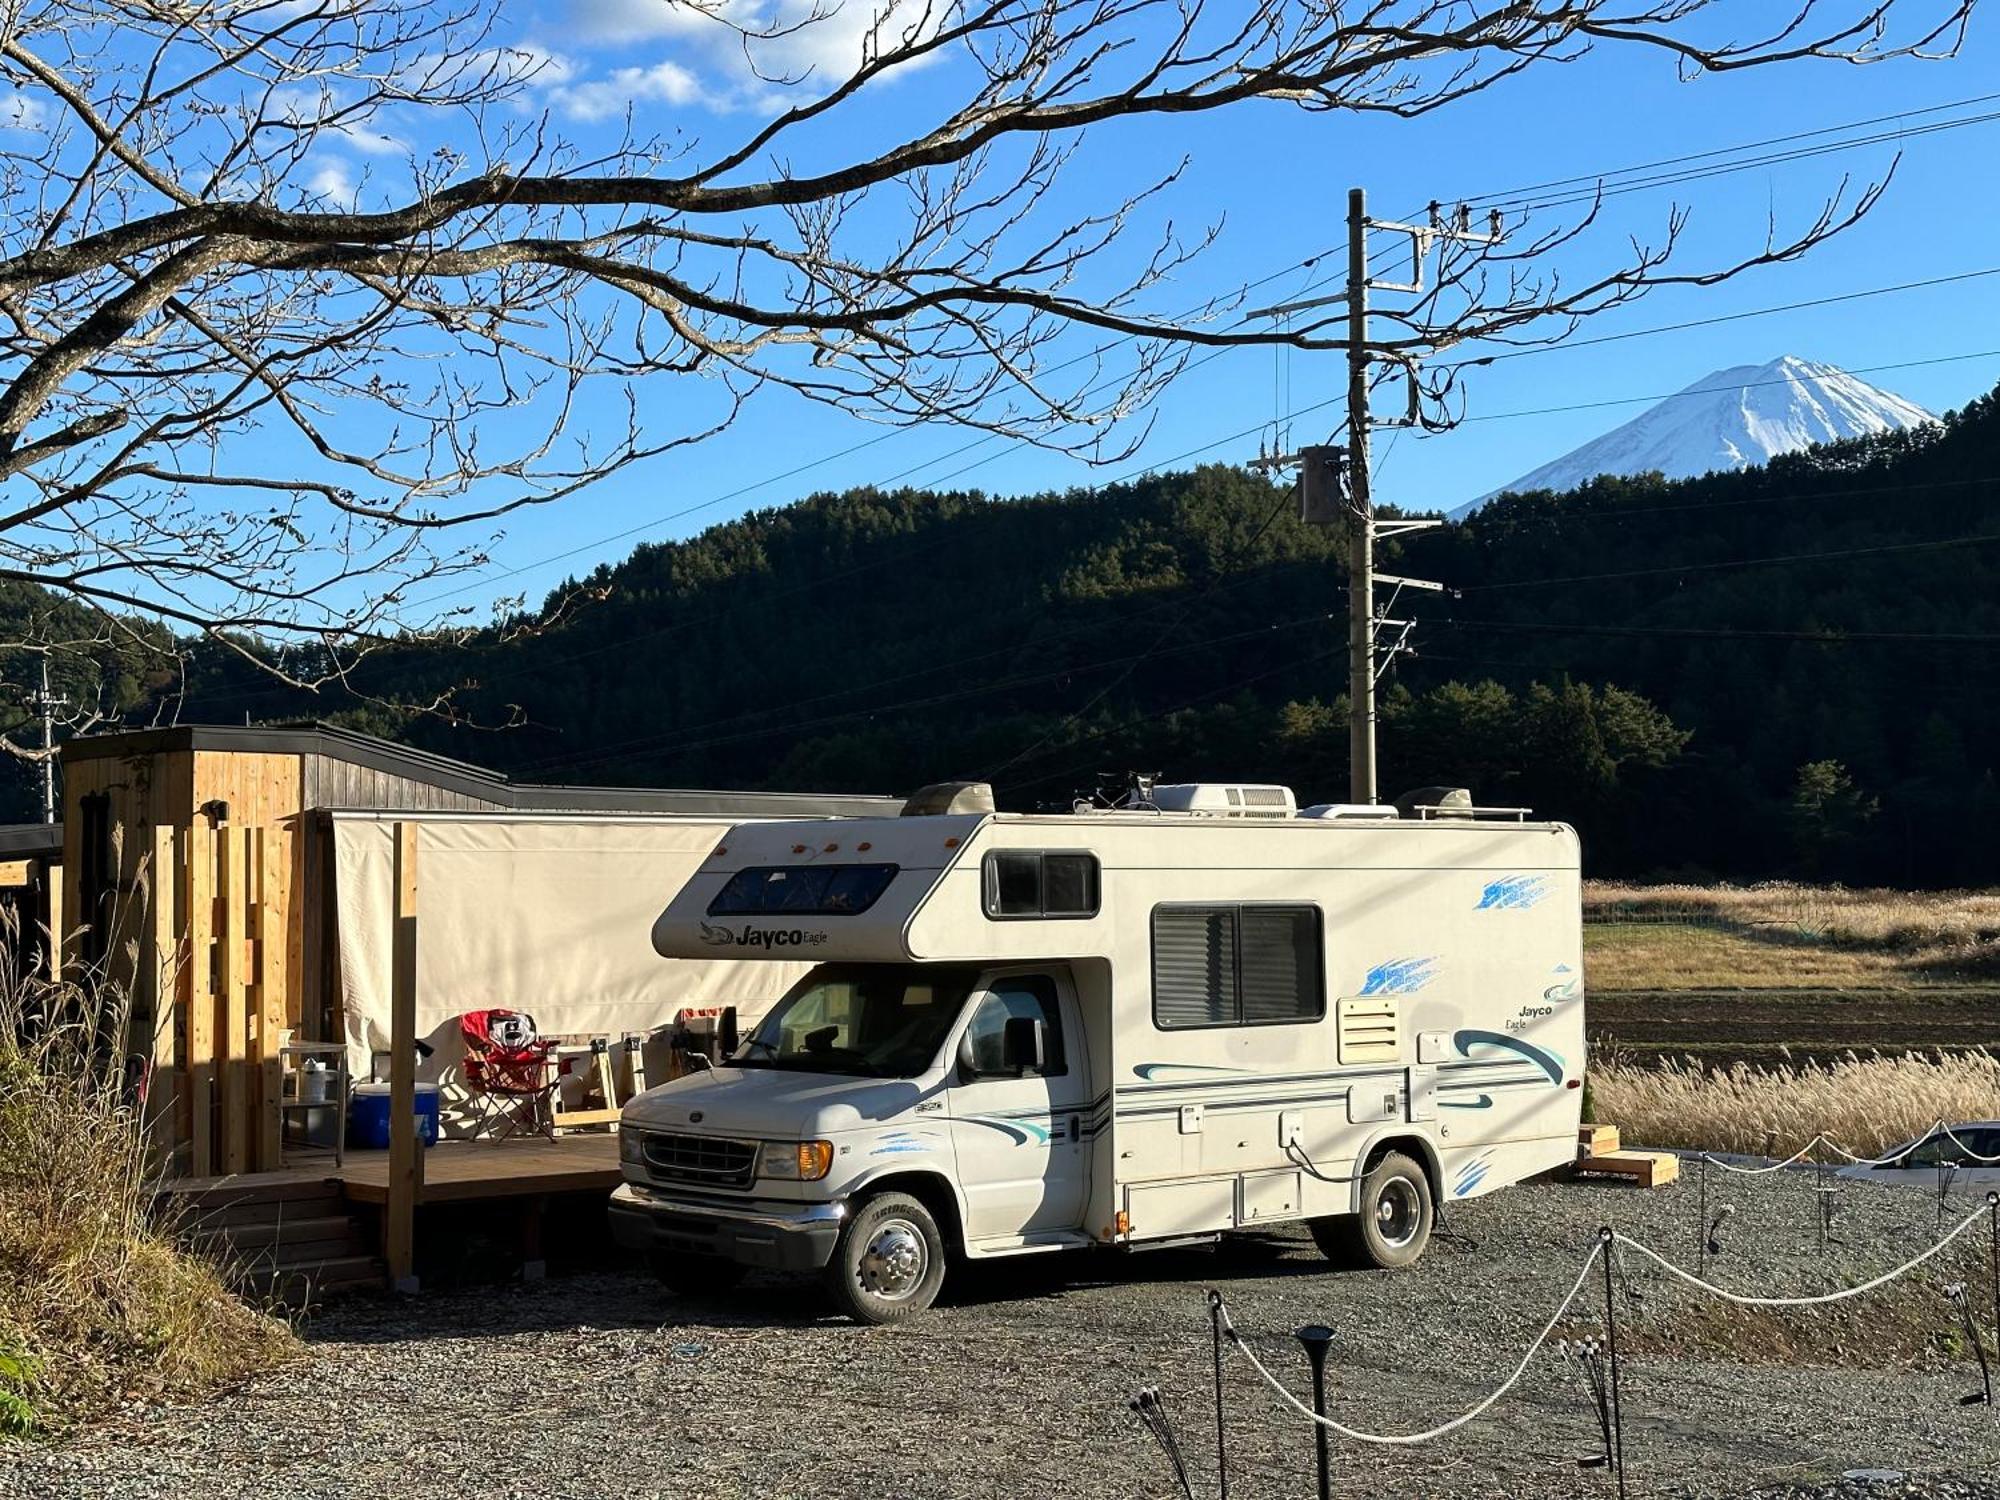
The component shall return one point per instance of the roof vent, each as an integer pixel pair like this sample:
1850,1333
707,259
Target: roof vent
944,797
1430,802
1216,800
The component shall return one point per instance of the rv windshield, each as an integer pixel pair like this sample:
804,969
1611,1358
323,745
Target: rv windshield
869,1020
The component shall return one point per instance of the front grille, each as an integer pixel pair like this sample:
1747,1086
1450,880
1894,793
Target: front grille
701,1160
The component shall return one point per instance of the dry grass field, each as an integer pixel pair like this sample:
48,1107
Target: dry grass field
1719,1015
1779,974
1787,936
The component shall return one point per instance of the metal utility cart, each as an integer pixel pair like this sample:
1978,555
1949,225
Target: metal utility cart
296,1104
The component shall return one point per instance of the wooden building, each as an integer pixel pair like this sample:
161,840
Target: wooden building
198,866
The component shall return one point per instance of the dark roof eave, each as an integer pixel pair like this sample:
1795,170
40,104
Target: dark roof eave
465,778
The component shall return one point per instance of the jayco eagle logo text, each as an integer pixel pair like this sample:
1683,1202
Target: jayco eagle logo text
760,937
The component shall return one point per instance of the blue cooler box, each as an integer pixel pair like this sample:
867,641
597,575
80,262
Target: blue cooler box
368,1116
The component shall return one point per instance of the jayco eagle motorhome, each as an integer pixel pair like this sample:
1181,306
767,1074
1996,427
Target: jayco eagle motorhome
1121,1027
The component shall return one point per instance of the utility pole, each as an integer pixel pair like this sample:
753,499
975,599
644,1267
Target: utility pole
1336,485
46,704
1361,517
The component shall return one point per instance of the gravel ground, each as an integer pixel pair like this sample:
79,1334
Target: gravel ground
605,1385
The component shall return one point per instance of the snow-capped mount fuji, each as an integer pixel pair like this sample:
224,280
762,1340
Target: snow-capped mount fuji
1729,420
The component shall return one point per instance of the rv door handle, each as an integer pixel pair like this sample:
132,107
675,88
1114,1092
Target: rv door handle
1075,1128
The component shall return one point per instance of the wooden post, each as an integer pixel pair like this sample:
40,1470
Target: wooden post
201,999
268,1017
163,1085
58,917
235,1047
406,1159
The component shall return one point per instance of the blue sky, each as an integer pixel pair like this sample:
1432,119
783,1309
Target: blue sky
1277,180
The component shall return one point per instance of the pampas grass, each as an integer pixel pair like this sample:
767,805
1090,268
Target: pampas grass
98,1303
1865,1104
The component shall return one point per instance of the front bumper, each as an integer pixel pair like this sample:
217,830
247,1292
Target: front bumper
773,1236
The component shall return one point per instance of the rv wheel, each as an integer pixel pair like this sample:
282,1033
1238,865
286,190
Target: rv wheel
689,1275
889,1263
1394,1223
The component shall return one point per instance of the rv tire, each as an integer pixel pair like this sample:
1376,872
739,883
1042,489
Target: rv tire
687,1274
1394,1222
889,1262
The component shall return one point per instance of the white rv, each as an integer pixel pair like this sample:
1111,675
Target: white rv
1128,1027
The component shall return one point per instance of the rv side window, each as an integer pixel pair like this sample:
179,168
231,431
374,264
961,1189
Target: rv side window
804,890
1237,966
1036,883
1018,995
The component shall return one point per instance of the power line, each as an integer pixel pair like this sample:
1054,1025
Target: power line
1841,555
929,669
955,696
1710,390
1735,317
1821,637
1510,195
1503,198
847,452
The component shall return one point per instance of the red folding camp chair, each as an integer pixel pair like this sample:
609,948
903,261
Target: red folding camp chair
510,1074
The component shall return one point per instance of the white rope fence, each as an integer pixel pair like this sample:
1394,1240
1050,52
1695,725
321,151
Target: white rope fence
1411,1439
1408,1439
1823,1139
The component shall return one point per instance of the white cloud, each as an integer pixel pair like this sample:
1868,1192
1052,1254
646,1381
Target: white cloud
816,43
608,97
601,21
19,111
331,181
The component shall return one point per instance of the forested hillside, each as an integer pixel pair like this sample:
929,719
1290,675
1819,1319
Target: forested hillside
1649,660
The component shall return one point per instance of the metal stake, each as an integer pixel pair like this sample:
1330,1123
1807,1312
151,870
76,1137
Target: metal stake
1819,1201
1984,1395
1701,1223
1607,1239
1993,1212
1315,1338
1221,1456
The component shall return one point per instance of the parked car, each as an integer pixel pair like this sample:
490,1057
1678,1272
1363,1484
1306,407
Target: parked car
1916,1162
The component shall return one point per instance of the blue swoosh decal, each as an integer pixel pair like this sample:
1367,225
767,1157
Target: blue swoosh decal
1400,976
1513,893
1484,1101
1547,1061
1150,1071
1021,1134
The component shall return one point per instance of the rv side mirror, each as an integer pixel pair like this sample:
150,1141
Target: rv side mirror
1023,1044
730,1035
968,1065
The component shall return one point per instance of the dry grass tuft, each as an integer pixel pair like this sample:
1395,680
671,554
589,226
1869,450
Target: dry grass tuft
97,1303
1867,1104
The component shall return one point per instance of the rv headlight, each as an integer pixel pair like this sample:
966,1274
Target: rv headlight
796,1161
631,1144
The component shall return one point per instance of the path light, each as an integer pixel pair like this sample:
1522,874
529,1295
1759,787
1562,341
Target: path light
1315,1338
1715,1230
1153,1414
1589,1357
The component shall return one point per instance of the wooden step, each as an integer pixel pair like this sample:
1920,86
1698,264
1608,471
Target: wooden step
1646,1168
209,1195
290,1236
1596,1140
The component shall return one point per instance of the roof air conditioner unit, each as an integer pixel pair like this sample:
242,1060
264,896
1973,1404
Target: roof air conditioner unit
1219,800
943,797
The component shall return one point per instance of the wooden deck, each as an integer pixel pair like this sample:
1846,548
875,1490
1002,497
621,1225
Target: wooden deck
454,1172
475,1171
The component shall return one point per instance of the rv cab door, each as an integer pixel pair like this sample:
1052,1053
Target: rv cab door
1018,1130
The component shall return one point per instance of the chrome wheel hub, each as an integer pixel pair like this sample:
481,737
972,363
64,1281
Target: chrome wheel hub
1399,1213
893,1261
